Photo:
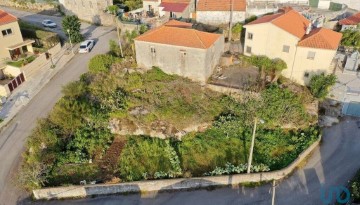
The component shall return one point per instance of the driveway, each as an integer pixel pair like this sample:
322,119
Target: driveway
13,136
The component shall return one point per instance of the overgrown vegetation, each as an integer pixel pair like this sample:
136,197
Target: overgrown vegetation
351,38
320,85
71,144
355,188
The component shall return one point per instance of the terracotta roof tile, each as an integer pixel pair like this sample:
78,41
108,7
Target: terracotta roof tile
290,21
176,1
179,37
321,38
174,7
6,18
221,5
178,24
351,20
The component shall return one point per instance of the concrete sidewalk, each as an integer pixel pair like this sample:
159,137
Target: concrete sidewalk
26,91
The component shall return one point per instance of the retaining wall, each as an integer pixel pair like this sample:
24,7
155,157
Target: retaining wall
30,6
169,184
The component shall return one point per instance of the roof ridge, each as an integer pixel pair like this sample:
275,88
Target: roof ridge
9,14
196,33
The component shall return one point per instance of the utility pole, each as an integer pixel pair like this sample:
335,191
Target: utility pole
252,146
273,192
118,35
231,21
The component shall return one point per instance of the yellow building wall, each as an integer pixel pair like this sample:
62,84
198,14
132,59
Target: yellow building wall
9,40
269,40
302,65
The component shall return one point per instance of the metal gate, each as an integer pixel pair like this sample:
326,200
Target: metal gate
14,83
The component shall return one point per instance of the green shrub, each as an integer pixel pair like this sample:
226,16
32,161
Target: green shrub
144,155
320,84
102,63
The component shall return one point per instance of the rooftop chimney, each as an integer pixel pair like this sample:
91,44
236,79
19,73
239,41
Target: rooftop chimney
308,29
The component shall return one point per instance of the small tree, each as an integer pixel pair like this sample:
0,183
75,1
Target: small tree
264,64
71,26
113,9
114,48
129,38
143,29
236,30
278,66
320,84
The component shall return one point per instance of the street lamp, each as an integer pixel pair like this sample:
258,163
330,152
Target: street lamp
252,143
68,31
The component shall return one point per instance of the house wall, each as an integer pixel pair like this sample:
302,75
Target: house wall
269,40
219,17
213,56
88,10
153,4
348,27
172,60
302,65
9,40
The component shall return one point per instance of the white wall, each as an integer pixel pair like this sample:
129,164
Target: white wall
219,17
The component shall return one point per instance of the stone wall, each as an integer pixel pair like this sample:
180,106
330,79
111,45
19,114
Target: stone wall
92,11
219,17
30,6
169,184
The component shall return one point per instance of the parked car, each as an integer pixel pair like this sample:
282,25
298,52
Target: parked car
49,23
86,46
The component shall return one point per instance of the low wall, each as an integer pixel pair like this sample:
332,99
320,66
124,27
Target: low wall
29,5
169,184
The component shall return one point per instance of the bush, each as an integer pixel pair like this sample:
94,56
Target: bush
114,48
102,63
144,156
320,84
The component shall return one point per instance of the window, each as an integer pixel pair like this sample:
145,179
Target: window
6,32
152,50
248,49
250,36
286,49
311,55
306,75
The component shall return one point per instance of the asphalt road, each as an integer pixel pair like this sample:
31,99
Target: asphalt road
13,136
36,19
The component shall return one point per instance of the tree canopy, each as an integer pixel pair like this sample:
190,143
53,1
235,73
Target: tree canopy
71,26
320,85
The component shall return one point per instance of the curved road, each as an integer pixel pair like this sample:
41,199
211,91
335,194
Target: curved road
13,136
334,163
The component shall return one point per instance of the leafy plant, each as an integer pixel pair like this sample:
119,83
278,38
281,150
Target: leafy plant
351,38
102,63
71,26
320,84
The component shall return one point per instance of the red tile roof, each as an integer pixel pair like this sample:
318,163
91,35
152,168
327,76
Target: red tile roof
6,18
174,7
176,1
178,24
289,20
351,20
175,36
321,38
221,5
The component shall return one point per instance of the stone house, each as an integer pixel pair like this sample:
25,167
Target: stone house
290,36
88,10
216,12
351,22
178,49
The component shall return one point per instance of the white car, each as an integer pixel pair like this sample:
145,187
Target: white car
86,46
49,23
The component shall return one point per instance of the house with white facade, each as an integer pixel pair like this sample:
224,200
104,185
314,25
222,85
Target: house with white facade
176,48
170,8
291,37
217,12
351,22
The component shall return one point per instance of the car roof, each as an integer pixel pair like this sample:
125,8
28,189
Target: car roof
86,42
48,20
